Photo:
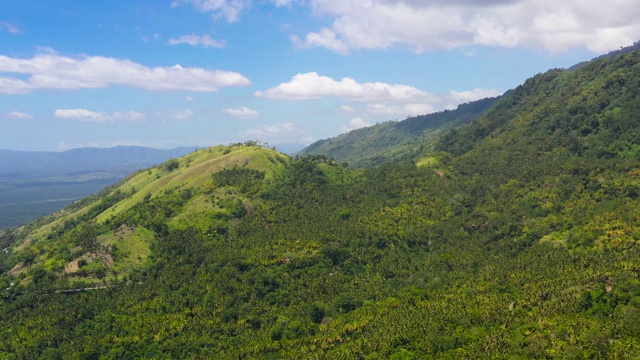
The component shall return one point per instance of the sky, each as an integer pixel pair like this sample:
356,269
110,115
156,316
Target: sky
167,73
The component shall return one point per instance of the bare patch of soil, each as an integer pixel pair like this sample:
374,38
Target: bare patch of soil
73,266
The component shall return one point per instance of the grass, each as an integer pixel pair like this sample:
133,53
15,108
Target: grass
132,248
427,161
194,170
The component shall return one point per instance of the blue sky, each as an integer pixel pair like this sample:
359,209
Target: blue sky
205,72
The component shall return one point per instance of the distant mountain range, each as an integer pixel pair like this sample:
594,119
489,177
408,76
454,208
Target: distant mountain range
39,164
36,183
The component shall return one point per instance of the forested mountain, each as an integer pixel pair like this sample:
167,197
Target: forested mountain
608,55
395,140
515,236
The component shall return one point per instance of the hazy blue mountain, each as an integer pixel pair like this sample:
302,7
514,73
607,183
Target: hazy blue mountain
290,148
30,164
36,183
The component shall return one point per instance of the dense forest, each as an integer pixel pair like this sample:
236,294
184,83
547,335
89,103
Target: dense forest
513,236
396,140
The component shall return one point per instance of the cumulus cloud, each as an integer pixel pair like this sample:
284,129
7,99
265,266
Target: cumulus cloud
439,24
195,40
88,116
380,99
429,25
355,123
50,70
10,28
278,133
325,38
311,86
459,97
16,115
241,112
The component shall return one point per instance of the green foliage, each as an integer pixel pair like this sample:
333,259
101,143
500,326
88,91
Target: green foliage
395,140
517,239
248,181
171,165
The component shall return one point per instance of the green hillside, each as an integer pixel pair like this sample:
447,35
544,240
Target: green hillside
106,233
513,237
395,140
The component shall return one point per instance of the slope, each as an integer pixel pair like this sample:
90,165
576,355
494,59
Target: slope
395,140
517,238
97,239
565,148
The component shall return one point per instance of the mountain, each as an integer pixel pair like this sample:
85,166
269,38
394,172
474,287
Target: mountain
395,140
514,236
290,148
609,55
33,184
41,164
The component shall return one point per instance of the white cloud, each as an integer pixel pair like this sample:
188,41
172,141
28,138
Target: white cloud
129,116
280,3
421,25
177,115
429,25
347,109
460,97
242,112
88,116
380,99
16,115
50,70
311,86
325,38
278,133
355,123
83,115
12,29
229,9
195,40
402,110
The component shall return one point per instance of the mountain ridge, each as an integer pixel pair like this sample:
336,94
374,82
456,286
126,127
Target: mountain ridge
514,236
48,163
395,140
34,184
